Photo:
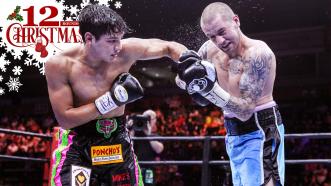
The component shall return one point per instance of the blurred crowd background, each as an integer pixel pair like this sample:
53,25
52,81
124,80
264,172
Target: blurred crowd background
179,116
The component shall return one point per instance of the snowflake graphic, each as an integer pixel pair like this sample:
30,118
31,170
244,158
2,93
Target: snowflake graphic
13,84
29,61
16,54
73,10
118,4
2,91
103,2
17,70
40,65
3,64
42,69
84,3
1,78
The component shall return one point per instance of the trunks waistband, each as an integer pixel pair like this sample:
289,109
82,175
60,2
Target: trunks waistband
266,117
258,108
101,127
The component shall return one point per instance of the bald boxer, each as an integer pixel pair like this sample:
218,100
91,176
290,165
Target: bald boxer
89,87
237,74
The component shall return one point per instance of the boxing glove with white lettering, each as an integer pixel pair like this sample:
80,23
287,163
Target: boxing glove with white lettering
125,89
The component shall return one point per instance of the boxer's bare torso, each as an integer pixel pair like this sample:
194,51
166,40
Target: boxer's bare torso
249,77
75,78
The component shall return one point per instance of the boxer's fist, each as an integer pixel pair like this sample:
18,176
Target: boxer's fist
196,97
125,89
200,77
185,60
188,54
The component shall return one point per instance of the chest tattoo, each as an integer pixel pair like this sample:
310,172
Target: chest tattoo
235,66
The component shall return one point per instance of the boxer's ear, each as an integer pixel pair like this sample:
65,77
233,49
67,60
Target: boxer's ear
88,37
235,18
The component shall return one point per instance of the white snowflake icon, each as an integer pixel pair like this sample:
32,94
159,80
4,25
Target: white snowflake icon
28,62
3,64
73,10
42,69
84,3
103,2
39,64
2,91
13,84
118,4
1,78
16,54
17,70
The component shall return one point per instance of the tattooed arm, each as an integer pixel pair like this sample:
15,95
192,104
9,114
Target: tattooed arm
252,84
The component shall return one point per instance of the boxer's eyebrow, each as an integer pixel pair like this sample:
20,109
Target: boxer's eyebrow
112,37
115,35
219,31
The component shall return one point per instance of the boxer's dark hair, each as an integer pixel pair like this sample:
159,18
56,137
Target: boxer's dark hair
99,20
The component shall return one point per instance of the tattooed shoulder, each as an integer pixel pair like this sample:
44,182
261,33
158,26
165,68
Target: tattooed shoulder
259,64
256,74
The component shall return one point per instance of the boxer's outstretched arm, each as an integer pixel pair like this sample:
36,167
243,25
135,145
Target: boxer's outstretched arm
145,49
60,95
252,84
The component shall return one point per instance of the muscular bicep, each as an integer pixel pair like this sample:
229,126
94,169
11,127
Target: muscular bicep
59,91
60,97
256,74
145,49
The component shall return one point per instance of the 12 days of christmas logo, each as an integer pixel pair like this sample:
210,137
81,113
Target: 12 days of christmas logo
31,31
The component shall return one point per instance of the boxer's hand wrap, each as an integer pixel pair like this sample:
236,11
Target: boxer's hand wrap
200,77
125,89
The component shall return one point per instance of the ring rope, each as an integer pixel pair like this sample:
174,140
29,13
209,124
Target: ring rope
323,135
24,133
173,138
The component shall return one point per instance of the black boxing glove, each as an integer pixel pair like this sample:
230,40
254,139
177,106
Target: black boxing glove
201,77
185,60
125,89
196,97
